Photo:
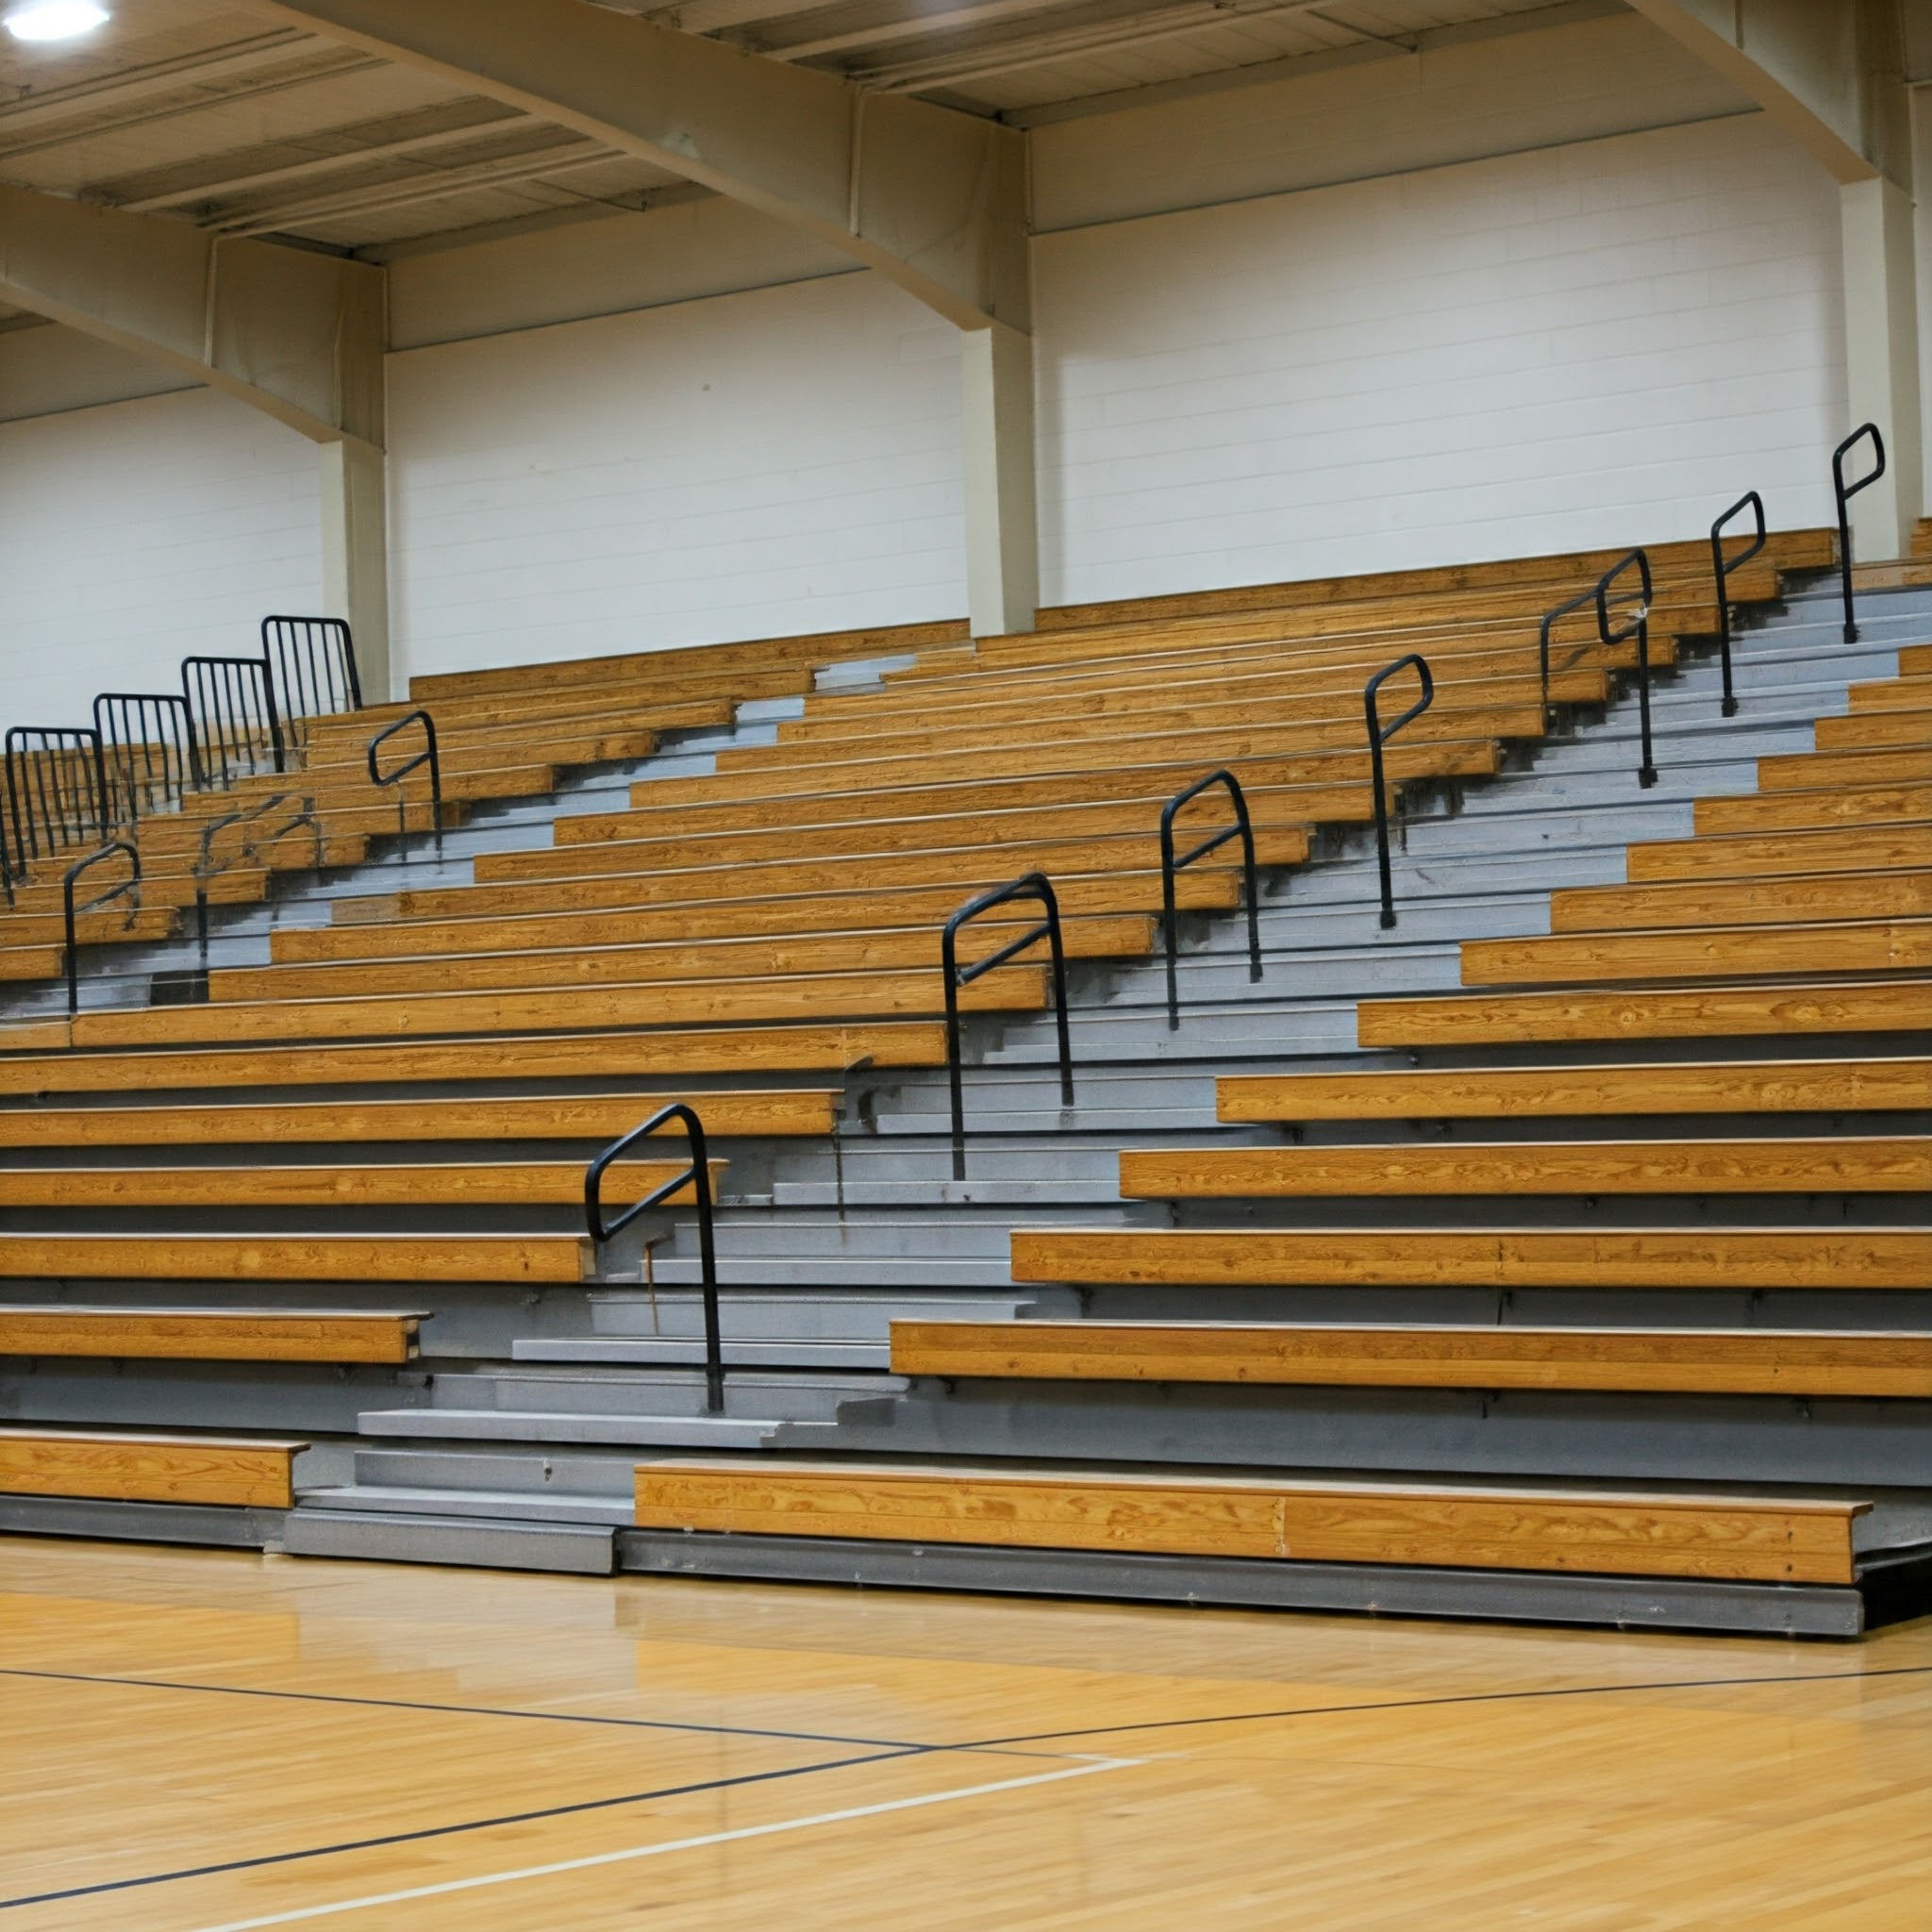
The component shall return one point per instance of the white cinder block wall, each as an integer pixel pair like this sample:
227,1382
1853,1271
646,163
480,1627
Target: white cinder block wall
1253,363
1595,344
782,460
138,534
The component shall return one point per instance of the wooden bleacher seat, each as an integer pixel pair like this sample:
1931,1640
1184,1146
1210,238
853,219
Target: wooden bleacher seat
532,1258
1762,1539
1644,1013
235,1334
1715,1361
1702,952
787,1112
1665,1257
1831,1164
244,1472
1633,1087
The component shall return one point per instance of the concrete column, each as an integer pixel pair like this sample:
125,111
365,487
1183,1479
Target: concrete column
1882,361
355,554
1002,524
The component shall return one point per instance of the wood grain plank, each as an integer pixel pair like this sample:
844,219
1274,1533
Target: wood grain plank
149,1469
1695,1258
291,1257
1833,1164
1755,1538
1664,1087
1385,1355
1842,946
258,1335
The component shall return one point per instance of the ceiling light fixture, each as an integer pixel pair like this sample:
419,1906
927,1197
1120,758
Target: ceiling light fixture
54,20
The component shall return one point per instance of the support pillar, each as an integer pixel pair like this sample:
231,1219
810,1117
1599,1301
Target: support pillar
1882,361
355,554
1002,523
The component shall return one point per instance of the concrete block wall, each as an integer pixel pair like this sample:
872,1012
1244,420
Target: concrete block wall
137,534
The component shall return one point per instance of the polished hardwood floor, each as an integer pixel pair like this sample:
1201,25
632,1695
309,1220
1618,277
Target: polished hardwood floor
197,1739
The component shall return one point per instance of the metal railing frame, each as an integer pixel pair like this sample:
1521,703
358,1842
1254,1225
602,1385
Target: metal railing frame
1845,493
1720,569
1032,885
70,913
1582,601
1379,735
697,1176
31,781
1638,628
313,661
251,847
217,683
175,759
427,756
1243,829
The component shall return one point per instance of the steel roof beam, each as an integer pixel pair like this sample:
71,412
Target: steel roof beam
932,199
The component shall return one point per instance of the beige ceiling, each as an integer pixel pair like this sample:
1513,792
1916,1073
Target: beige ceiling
206,113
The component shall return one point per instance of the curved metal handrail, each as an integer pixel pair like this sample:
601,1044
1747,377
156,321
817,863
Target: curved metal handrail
1379,735
131,884
1637,627
1721,567
697,1176
1032,885
1845,493
427,756
1243,830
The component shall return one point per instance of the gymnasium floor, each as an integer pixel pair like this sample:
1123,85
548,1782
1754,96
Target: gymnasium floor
197,1739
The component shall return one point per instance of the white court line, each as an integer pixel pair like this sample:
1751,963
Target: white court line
1085,1769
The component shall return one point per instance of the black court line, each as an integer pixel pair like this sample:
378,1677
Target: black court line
404,1837
1250,1717
554,1717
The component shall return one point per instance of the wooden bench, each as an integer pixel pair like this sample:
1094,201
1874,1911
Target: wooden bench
697,957
229,1335
1021,988
786,1112
532,1258
898,909
807,1049
121,1466
1873,945
1740,1538
1719,1361
1847,1164
1664,1087
1870,731
1640,1013
1733,856
346,1184
1793,898
1692,1258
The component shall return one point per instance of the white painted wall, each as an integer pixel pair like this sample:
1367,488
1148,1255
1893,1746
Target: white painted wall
138,534
1595,344
778,462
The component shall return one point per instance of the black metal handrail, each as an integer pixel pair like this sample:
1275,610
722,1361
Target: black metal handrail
1638,626
1379,735
149,754
251,847
313,661
1032,885
427,756
1241,829
230,700
1721,567
131,884
1583,600
697,1174
1845,493
57,790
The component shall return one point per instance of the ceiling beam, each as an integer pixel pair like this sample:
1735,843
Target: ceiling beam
932,199
295,334
1829,72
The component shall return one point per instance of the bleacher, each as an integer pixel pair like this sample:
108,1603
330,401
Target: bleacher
1554,1249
